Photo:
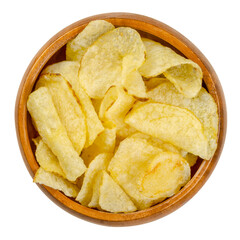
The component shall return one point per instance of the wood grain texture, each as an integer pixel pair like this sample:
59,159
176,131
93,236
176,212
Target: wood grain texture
54,51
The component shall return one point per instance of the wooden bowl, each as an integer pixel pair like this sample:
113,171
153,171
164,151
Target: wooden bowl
54,51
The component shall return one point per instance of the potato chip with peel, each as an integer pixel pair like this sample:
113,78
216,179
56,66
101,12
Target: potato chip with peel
172,124
57,182
185,74
112,198
164,177
100,162
43,112
128,166
104,143
69,70
203,106
115,105
46,159
106,56
68,109
76,48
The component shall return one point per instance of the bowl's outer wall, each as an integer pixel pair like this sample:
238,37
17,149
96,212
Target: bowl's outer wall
53,51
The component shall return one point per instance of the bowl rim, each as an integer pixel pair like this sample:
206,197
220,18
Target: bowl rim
167,34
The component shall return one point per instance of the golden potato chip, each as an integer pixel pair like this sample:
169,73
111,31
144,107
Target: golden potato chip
164,177
68,109
96,104
110,59
185,74
114,107
190,158
53,133
172,124
154,82
203,106
129,161
112,198
168,147
156,142
104,143
100,162
69,70
57,182
124,132
134,85
76,48
46,159
109,98
94,203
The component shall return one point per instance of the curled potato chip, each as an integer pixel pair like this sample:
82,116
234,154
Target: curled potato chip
172,124
69,70
164,177
46,159
115,105
68,109
104,143
129,161
76,48
113,56
203,106
185,74
100,162
112,198
57,182
53,133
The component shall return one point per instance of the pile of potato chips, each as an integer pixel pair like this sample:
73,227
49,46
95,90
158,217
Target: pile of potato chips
121,121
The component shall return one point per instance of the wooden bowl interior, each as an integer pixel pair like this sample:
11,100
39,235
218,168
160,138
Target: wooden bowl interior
54,52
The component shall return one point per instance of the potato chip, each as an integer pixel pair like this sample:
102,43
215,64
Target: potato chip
69,70
112,198
96,104
154,82
129,163
110,59
68,109
203,106
54,181
164,177
190,158
76,48
53,133
168,147
115,105
100,162
135,85
94,203
104,143
46,159
172,124
185,74
124,132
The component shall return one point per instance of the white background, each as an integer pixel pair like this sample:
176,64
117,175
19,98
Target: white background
213,26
